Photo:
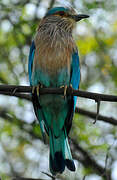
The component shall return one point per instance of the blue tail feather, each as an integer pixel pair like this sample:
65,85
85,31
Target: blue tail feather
60,154
70,164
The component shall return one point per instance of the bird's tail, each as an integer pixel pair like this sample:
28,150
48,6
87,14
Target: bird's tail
60,154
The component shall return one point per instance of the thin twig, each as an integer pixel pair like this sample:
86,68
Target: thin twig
92,115
89,161
53,178
84,177
22,178
106,161
98,109
51,4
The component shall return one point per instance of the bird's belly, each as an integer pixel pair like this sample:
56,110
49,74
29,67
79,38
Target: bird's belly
58,79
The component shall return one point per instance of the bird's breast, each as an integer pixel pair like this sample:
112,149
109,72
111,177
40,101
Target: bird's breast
53,57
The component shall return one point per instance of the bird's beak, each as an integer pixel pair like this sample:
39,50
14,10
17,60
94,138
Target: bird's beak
79,17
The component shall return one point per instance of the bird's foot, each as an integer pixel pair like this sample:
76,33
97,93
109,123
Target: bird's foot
37,89
33,89
65,90
71,88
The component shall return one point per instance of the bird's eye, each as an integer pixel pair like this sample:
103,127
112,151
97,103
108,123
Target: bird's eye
61,13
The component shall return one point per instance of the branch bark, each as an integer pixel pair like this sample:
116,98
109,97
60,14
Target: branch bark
12,90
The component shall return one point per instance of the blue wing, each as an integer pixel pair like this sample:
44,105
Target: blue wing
74,81
75,73
30,61
35,98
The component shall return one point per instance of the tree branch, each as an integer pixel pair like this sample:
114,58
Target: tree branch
18,91
92,115
12,90
22,178
19,95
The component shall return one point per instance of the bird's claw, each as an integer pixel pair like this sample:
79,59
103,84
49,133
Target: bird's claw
33,89
65,90
37,89
71,86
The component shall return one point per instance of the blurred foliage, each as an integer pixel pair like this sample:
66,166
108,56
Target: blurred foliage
21,150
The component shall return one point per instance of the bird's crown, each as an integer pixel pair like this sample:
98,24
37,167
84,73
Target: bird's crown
57,10
61,11
65,12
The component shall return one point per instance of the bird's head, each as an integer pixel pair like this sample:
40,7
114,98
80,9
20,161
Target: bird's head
65,15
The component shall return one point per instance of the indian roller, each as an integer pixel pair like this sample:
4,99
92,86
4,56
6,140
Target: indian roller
54,62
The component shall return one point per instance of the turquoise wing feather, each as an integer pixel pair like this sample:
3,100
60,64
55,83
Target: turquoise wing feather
30,61
35,99
75,74
74,81
75,71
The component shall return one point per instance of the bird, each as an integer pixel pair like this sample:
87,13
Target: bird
54,63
